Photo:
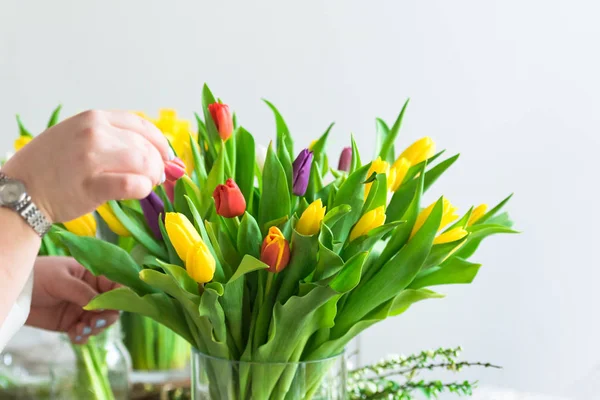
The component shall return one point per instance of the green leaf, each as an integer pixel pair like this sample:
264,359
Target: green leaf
329,261
382,133
302,263
214,139
493,211
181,276
388,144
366,242
377,194
157,306
476,234
284,139
275,202
335,214
454,271
180,203
244,167
355,163
249,238
315,182
351,193
248,265
394,276
230,161
22,130
106,259
216,177
222,260
440,252
54,117
199,163
138,231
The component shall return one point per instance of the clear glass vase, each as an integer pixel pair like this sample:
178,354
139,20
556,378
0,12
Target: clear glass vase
216,379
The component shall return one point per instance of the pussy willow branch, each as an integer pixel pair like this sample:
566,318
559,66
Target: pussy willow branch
450,366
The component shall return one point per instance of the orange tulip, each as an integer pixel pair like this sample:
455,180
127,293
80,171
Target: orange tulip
275,251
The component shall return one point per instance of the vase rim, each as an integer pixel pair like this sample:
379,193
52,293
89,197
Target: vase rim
197,352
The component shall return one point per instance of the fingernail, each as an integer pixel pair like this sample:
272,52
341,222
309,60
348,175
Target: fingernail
100,323
87,330
78,339
171,155
163,178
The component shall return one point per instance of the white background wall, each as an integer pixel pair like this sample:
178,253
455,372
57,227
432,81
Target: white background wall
511,84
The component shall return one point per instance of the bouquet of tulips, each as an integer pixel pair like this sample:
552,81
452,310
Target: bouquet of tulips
288,260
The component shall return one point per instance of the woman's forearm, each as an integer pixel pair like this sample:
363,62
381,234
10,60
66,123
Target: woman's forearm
20,245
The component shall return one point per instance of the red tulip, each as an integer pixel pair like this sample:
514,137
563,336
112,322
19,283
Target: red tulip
275,251
222,118
229,200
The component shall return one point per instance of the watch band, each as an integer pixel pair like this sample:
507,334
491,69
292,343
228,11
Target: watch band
29,212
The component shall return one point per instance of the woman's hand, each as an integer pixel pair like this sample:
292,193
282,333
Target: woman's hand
84,161
61,288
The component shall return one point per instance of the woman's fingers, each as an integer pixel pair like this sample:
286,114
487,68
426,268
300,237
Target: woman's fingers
131,122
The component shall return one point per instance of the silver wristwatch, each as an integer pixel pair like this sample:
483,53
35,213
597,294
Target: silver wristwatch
13,195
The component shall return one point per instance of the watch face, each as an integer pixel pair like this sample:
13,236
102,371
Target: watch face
11,193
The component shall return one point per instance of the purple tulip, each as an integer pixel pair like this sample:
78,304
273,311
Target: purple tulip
153,206
345,159
301,168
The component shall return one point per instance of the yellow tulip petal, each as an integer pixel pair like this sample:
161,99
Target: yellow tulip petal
419,151
401,167
477,213
200,263
367,222
112,221
451,236
182,233
82,226
379,166
310,220
21,141
449,215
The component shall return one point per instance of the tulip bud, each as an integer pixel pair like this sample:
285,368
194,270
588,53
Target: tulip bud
477,213
153,207
449,215
221,116
419,151
301,172
275,251
381,167
200,263
112,221
21,141
174,169
182,233
371,220
312,144
310,220
400,167
345,159
82,226
229,200
451,236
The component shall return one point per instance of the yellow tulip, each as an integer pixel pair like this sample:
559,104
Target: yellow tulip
178,132
451,236
112,221
477,213
21,141
367,222
419,151
400,169
200,263
449,215
312,144
82,226
381,167
310,221
182,233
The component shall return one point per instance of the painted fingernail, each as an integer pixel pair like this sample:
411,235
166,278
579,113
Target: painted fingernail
101,323
87,330
78,339
171,154
163,178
